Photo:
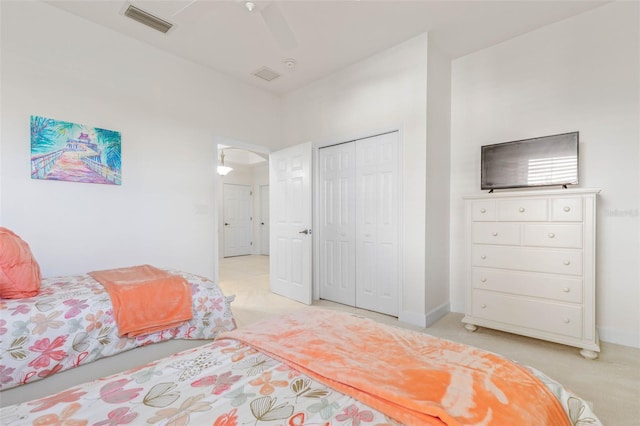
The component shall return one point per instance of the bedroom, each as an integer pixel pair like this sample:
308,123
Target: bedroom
133,89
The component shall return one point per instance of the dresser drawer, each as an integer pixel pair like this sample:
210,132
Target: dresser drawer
496,233
552,287
566,209
522,210
553,261
552,235
483,210
551,317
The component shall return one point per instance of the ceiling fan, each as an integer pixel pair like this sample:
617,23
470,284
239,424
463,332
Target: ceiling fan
277,24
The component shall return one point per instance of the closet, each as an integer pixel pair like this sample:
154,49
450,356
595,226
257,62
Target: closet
359,223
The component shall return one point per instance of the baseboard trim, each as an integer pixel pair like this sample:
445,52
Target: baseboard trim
413,318
424,320
437,313
619,338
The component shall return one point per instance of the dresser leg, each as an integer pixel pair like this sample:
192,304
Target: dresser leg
470,327
588,354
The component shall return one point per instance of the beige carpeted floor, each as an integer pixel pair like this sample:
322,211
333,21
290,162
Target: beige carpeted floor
611,383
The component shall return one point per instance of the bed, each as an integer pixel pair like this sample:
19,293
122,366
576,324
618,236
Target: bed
316,367
71,323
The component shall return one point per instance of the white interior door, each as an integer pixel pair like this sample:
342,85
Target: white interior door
264,219
377,220
337,232
290,214
237,219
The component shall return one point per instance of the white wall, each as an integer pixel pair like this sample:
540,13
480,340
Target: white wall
384,92
437,183
168,110
579,74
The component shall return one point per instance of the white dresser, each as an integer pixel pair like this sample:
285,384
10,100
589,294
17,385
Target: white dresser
531,265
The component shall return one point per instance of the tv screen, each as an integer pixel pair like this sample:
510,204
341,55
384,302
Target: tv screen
542,161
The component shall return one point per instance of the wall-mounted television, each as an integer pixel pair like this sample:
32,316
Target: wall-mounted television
542,161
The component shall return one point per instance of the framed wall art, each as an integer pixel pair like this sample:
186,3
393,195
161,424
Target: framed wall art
72,152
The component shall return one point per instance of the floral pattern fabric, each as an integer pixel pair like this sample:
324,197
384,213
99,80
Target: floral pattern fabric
71,323
223,383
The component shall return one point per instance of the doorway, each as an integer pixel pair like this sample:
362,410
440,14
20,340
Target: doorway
240,204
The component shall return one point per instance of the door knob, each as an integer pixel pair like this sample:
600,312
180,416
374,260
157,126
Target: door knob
226,224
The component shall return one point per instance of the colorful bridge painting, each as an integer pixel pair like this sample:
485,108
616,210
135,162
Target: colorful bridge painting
74,152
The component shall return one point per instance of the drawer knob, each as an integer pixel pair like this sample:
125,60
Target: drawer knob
495,234
483,257
483,279
566,320
567,263
483,210
567,209
566,289
551,235
521,209
483,306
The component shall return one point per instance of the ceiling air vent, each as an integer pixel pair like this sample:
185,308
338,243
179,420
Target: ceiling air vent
266,74
147,19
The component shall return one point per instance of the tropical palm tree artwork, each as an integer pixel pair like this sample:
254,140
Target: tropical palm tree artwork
74,152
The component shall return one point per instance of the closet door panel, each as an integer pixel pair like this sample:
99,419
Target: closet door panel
337,224
377,223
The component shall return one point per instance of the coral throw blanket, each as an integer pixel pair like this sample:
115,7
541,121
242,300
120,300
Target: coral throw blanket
412,377
146,299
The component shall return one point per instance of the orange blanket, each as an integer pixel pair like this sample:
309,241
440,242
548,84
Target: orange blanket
412,377
146,299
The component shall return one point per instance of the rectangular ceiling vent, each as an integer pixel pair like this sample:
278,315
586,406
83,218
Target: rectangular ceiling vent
266,74
148,19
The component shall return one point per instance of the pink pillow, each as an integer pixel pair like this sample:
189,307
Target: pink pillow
19,272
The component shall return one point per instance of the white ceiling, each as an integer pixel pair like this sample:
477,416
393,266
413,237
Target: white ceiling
223,35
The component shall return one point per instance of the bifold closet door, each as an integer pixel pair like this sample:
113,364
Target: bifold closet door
337,223
358,235
377,223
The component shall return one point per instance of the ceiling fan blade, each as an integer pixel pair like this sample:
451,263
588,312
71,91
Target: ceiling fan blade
279,27
183,8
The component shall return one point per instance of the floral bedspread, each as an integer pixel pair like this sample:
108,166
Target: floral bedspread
71,323
223,383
